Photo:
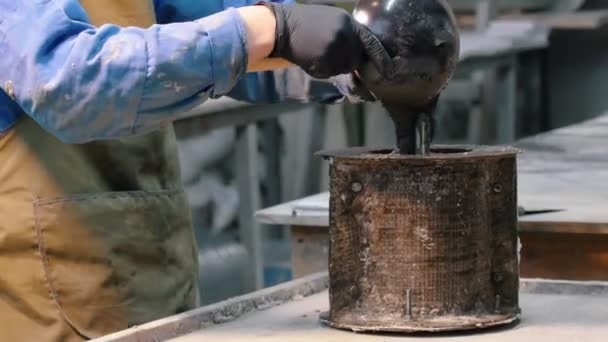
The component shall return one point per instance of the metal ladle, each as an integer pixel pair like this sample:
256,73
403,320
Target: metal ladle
423,39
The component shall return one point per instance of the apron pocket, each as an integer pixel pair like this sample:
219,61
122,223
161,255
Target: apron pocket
112,260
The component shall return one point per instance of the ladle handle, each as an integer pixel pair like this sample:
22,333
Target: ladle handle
269,64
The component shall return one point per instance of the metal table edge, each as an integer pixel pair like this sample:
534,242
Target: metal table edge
232,309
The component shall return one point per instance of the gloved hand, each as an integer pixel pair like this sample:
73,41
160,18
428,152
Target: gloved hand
325,41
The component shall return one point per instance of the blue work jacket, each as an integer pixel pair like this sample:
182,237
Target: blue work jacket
83,83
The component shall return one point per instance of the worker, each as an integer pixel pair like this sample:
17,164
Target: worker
95,230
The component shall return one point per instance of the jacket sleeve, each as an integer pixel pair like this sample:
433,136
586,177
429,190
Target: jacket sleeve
83,83
291,85
173,11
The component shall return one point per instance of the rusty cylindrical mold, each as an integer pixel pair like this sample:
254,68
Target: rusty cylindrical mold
423,243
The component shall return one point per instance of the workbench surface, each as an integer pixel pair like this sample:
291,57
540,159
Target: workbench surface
546,317
553,311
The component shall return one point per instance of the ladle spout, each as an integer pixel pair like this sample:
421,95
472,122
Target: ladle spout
414,128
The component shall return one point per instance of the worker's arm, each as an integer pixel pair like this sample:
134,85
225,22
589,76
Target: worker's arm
270,86
84,83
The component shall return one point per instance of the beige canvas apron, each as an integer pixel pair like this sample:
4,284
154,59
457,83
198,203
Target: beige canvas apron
95,237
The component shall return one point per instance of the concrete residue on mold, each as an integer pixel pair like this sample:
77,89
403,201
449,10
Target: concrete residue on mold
424,237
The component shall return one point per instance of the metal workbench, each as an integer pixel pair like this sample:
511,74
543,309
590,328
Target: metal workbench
552,311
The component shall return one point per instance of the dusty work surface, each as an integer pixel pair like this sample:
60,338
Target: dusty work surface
546,317
552,311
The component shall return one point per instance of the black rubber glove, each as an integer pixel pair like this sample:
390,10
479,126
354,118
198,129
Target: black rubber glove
325,41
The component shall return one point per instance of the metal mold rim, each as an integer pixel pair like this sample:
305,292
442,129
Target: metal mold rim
438,153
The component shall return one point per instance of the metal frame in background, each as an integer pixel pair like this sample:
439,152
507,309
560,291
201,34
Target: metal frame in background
226,112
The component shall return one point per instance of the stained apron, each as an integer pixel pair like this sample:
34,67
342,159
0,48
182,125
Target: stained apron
94,237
